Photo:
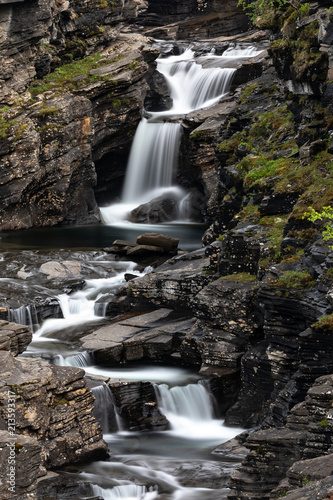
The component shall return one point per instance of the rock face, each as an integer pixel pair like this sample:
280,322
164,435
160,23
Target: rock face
48,148
53,406
202,19
275,454
21,466
14,338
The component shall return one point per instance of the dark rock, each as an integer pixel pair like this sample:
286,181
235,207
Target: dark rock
167,243
271,454
153,336
241,250
137,406
172,284
278,203
161,209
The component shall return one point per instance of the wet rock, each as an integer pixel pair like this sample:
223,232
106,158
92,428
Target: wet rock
167,243
161,209
172,284
151,336
53,406
137,406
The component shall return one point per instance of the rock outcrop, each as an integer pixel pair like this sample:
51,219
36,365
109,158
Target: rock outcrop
20,466
53,406
275,454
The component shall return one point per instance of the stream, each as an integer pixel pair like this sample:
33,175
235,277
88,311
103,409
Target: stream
176,464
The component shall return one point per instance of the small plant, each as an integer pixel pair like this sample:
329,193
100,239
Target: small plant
324,324
325,214
240,277
295,279
48,111
4,128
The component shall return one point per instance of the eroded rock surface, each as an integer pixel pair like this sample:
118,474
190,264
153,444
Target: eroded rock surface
53,406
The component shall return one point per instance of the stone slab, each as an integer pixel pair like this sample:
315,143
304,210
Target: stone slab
145,320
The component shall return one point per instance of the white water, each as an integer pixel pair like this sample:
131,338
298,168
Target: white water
25,315
105,409
189,409
80,360
155,145
85,306
126,492
153,159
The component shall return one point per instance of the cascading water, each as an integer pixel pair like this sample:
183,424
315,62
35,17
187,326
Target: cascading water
126,492
86,306
80,360
153,159
190,411
25,315
105,409
156,465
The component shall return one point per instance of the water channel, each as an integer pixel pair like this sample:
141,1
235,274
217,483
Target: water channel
176,464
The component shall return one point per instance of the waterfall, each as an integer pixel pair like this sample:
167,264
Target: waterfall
86,306
192,86
190,412
192,401
153,159
25,315
80,360
105,410
126,492
242,52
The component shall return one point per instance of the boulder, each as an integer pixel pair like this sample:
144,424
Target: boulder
161,209
167,243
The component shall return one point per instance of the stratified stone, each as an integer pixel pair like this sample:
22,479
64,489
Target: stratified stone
20,466
14,337
53,406
137,406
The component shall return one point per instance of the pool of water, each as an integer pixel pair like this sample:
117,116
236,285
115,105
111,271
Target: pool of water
97,236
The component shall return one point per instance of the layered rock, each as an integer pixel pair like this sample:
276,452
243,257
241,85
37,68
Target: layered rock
14,338
21,466
137,406
153,336
308,433
53,406
37,36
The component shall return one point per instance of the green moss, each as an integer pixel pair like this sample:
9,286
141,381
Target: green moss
248,91
48,111
240,277
296,280
62,401
324,423
73,75
324,324
20,130
4,128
